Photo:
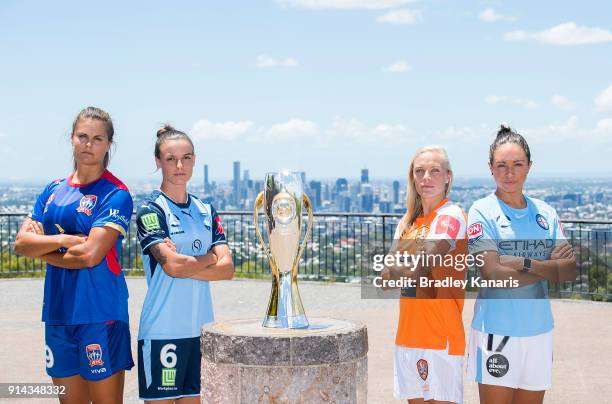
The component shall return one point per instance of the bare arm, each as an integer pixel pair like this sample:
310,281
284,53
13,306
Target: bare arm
178,265
32,242
88,254
221,270
560,267
496,267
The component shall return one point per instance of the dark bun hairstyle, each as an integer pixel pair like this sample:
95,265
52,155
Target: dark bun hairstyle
168,132
507,135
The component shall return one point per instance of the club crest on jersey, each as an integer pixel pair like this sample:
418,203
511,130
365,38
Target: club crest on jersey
94,354
542,222
196,246
422,368
87,203
475,232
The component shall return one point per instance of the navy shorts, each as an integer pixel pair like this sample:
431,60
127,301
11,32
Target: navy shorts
169,368
94,351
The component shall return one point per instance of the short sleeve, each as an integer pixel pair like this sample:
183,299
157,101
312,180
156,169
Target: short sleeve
152,226
481,236
115,211
41,202
218,235
558,231
448,226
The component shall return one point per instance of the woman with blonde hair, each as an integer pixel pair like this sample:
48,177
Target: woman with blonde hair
430,341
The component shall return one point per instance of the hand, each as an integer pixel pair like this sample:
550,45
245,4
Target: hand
170,244
563,251
68,240
36,228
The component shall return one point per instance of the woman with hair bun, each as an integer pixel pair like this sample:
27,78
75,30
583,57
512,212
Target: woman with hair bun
76,226
183,248
519,239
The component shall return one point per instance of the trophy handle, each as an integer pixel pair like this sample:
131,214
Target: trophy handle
266,248
308,206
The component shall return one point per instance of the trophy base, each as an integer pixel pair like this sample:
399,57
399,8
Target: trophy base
297,322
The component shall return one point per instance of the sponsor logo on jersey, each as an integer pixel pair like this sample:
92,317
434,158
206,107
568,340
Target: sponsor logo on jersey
448,225
98,371
422,368
542,222
94,354
114,213
219,226
168,378
87,203
475,232
150,221
51,198
497,365
196,246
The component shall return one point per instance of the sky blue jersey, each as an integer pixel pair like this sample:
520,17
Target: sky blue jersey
88,295
176,307
532,233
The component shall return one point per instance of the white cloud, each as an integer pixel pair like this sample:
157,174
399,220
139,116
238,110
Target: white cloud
554,132
405,16
463,134
523,102
293,129
562,102
383,134
563,34
495,99
229,130
397,67
489,15
603,102
264,61
604,126
344,4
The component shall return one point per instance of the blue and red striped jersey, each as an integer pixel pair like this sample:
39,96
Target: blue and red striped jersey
88,295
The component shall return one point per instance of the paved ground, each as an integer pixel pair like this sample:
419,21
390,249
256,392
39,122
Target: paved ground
582,369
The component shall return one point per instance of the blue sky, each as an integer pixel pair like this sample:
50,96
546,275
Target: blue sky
324,86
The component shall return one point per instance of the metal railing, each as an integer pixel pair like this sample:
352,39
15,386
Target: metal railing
339,249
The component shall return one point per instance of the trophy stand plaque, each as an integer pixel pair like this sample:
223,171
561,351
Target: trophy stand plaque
244,362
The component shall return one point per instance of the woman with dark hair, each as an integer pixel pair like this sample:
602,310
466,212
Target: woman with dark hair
76,226
430,341
518,239
183,247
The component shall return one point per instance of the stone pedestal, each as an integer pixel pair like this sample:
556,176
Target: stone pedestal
243,362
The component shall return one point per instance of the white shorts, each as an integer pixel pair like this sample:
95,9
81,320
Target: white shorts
515,362
430,374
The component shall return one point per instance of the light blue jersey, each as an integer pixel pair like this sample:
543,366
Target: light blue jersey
176,307
532,233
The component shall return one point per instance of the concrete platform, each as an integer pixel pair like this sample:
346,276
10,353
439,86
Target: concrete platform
582,370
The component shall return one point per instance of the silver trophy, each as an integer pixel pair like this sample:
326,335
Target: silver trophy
283,199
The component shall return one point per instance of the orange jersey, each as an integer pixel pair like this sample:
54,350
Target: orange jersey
432,319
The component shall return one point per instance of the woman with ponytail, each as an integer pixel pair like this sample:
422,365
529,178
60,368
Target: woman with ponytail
520,239
430,341
76,226
183,248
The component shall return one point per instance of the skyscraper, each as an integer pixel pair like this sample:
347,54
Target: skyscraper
206,184
236,184
396,188
365,176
